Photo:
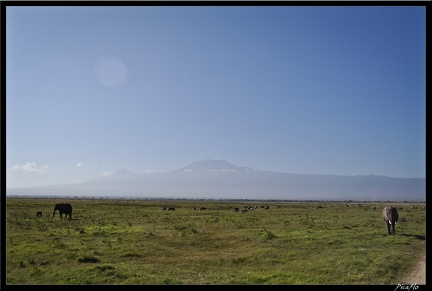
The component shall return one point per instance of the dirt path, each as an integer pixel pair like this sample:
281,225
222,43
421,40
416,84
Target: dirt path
417,275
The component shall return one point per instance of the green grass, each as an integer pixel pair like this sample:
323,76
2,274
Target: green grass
135,242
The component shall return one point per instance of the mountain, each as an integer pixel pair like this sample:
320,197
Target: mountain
211,165
120,175
218,179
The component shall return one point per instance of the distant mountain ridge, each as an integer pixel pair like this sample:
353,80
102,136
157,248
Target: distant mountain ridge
211,165
219,179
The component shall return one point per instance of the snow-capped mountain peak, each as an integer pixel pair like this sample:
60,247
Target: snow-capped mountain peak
212,165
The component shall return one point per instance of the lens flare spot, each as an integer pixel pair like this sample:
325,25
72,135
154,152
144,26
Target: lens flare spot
111,72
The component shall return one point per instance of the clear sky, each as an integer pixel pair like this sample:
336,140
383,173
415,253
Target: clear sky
308,90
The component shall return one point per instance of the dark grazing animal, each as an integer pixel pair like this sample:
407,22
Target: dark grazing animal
63,208
390,216
39,213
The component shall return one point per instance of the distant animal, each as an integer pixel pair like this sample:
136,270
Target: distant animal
39,213
400,208
413,207
171,208
244,210
266,207
321,206
63,208
164,208
203,208
236,209
373,208
390,216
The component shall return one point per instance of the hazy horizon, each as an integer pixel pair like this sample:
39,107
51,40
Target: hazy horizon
310,90
219,179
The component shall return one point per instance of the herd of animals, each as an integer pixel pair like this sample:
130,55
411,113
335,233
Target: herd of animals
389,214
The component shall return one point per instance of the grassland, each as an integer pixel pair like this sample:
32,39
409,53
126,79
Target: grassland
136,242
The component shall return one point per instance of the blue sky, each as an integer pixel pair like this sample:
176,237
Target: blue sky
313,90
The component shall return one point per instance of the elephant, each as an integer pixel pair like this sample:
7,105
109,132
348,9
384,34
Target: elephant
65,208
390,216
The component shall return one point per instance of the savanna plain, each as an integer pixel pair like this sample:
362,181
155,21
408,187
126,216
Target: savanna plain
133,242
